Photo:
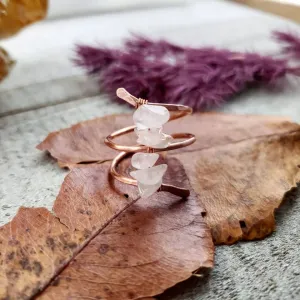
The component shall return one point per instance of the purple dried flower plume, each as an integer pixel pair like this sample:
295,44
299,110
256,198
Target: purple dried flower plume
164,72
291,42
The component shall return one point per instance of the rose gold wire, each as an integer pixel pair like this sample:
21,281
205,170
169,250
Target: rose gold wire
177,111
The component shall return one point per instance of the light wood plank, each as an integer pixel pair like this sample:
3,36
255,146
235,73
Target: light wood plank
287,9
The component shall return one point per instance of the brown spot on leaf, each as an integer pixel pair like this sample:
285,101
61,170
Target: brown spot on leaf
65,239
11,255
12,275
103,248
72,245
24,262
13,242
50,243
37,268
87,233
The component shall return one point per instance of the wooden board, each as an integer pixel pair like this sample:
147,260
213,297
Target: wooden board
287,9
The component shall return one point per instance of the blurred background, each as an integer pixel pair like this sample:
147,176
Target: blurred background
43,50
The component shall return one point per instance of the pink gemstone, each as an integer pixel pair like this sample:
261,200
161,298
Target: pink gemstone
150,116
150,176
144,160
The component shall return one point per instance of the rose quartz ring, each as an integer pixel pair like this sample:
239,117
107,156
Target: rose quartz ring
149,119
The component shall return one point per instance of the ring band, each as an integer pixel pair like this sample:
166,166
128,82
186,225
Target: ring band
177,111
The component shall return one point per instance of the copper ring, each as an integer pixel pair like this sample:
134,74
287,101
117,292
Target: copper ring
177,111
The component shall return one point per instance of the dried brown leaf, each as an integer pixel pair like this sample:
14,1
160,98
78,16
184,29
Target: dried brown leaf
240,166
84,142
102,244
241,185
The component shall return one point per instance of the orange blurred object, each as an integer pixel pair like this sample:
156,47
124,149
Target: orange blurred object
16,14
6,63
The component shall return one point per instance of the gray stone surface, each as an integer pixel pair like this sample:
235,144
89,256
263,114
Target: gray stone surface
31,107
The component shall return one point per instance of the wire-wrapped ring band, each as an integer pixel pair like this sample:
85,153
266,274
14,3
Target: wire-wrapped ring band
177,111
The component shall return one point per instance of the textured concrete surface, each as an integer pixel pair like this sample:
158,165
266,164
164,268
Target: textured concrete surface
31,107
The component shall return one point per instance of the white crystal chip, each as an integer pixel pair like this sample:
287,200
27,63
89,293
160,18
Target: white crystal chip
144,160
150,176
153,137
148,190
150,116
149,120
